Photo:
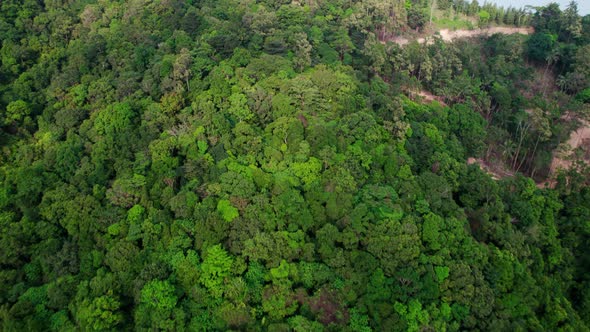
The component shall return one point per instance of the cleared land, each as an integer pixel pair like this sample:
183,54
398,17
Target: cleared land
449,35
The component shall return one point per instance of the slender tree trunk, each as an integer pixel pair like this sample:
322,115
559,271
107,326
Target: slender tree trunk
432,9
419,72
533,155
521,139
522,161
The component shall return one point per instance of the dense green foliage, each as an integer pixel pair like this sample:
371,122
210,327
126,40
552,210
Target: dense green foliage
257,165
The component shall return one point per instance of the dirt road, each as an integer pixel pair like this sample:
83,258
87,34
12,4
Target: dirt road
448,35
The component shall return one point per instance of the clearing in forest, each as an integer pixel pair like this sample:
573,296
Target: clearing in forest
449,35
579,139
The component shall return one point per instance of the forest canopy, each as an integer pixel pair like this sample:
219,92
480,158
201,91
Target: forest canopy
285,166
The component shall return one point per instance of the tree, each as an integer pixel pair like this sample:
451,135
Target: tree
342,43
113,120
16,112
182,71
577,80
416,18
469,127
228,212
484,18
157,307
126,192
394,255
571,22
239,107
547,19
215,268
539,46
101,314
159,295
302,52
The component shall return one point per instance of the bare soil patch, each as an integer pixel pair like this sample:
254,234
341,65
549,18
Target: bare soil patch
497,171
579,141
425,97
450,35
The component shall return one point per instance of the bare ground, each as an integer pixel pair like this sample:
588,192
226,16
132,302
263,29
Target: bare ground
496,170
426,97
449,35
579,139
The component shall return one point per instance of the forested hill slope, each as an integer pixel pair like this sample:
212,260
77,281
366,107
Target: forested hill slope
259,166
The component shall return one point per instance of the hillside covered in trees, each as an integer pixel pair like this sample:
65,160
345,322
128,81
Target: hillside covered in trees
263,165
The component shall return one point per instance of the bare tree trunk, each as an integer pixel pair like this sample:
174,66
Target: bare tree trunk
533,156
521,129
522,161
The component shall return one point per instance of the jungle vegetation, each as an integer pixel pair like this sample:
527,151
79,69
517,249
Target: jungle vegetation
263,165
